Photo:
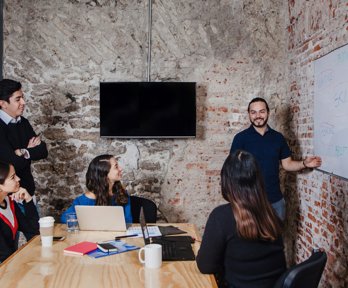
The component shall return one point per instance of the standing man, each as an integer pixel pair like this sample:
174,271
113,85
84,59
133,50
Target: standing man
269,147
19,144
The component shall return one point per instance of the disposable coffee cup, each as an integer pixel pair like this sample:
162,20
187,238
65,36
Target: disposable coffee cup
46,231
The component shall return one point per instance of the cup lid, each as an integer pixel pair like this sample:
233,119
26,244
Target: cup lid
46,219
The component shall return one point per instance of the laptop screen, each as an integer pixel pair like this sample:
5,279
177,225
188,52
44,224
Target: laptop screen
101,218
143,226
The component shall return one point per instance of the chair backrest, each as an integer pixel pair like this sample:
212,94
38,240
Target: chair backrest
306,274
149,208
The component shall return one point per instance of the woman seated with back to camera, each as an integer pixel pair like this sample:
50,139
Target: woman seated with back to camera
242,241
103,181
11,217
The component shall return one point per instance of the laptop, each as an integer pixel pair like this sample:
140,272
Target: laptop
174,248
101,218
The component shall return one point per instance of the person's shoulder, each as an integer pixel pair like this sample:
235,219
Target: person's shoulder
221,211
270,129
222,216
244,131
24,120
84,199
81,198
89,195
2,124
241,135
275,132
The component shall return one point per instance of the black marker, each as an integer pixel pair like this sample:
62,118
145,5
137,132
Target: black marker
125,236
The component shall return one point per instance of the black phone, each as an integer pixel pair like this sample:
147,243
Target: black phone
107,247
58,238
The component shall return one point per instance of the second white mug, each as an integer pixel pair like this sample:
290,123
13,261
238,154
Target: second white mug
152,255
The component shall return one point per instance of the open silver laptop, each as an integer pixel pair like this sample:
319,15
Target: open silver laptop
101,218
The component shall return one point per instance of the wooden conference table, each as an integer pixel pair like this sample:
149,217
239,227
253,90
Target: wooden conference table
36,266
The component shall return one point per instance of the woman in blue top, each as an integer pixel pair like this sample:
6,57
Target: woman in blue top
103,181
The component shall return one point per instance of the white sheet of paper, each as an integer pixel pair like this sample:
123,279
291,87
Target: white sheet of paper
153,231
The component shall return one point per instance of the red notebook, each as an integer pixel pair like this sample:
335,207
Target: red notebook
81,248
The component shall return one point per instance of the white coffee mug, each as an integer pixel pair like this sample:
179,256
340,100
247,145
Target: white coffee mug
152,255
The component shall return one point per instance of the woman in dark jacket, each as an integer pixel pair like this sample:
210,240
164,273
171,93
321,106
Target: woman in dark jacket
242,241
11,217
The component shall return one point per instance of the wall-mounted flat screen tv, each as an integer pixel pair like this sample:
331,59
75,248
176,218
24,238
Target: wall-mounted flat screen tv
148,109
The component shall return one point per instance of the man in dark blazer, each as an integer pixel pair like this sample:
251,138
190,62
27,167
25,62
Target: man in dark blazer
19,144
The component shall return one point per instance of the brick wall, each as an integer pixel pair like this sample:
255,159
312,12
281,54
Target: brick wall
317,201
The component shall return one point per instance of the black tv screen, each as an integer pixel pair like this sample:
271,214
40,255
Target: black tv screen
148,109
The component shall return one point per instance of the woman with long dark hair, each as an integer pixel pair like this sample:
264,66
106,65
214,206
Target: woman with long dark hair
242,241
103,181
11,217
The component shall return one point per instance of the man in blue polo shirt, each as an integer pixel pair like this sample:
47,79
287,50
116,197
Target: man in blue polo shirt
269,147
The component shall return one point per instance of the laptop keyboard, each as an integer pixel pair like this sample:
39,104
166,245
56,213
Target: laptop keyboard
169,250
175,251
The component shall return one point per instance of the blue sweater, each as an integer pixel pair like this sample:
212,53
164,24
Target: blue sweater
84,200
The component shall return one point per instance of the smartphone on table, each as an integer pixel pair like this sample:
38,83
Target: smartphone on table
58,238
107,247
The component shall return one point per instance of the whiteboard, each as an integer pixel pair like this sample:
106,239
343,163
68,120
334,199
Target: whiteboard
331,111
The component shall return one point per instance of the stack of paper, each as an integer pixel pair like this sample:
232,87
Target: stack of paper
153,231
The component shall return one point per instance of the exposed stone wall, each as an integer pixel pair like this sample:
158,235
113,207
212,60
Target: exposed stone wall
60,50
317,201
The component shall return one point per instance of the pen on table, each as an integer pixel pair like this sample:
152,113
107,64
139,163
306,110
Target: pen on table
125,236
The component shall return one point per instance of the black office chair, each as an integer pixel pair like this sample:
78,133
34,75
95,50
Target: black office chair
306,274
149,207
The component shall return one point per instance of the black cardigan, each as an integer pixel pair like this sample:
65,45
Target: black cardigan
17,136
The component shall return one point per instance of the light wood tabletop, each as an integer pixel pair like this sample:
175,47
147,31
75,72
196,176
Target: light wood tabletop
36,266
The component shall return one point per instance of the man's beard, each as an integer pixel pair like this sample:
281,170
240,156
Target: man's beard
263,124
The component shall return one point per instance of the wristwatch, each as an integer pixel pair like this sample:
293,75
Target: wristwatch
24,153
